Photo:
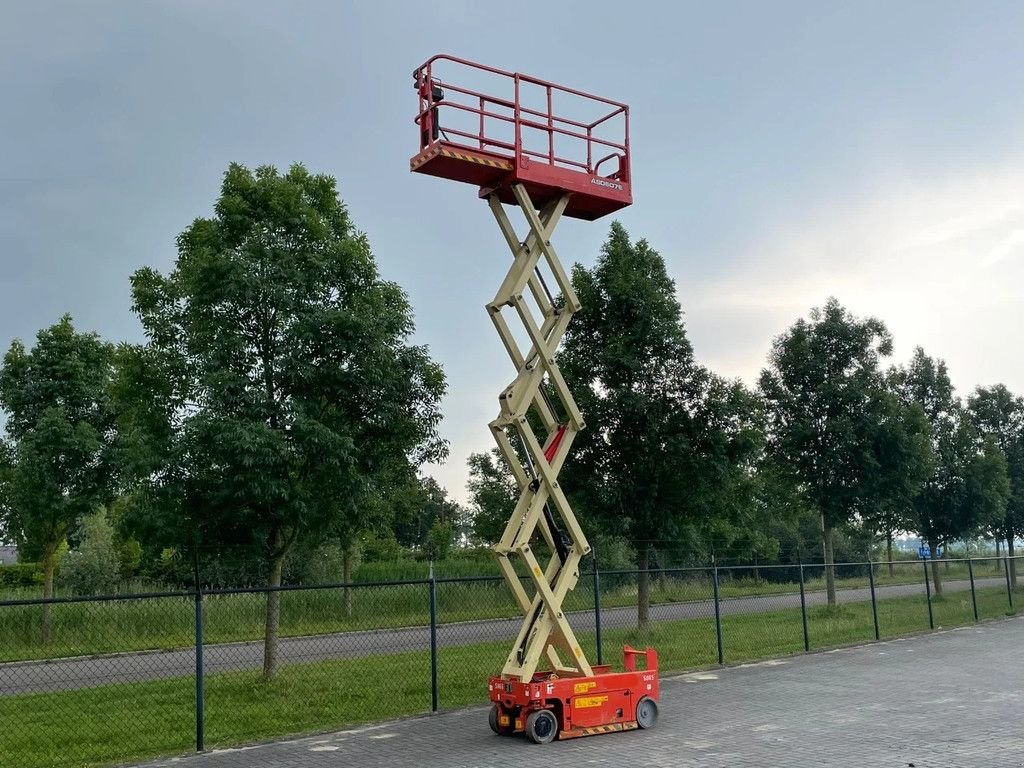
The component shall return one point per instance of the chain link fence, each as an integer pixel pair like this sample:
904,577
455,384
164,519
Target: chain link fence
134,676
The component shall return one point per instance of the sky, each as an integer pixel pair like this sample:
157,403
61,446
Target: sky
782,153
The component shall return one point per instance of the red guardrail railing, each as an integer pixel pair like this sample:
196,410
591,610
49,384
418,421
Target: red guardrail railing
439,96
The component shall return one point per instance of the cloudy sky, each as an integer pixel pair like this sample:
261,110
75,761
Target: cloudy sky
783,152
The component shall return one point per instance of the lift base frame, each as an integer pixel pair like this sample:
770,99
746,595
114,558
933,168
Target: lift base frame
604,702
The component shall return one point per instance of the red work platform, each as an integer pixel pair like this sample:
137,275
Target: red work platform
492,128
549,707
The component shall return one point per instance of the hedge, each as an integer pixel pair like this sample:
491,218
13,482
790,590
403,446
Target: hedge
21,575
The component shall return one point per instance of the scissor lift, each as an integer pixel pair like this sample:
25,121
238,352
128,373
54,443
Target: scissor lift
504,136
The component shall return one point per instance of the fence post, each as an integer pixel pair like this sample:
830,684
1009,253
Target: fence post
974,596
433,641
874,603
597,611
803,610
1009,587
928,593
718,616
200,694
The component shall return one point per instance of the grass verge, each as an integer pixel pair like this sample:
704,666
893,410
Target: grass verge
81,629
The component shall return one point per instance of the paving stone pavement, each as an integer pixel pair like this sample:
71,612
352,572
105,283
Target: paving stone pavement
952,699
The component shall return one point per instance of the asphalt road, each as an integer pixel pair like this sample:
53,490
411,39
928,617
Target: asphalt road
82,672
952,699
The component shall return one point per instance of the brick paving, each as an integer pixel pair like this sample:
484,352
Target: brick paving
952,699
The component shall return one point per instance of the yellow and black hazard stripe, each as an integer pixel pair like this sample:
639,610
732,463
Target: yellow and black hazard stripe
596,729
502,164
416,162
419,160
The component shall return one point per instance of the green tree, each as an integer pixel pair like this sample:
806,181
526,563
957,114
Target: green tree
827,403
277,385
999,414
493,495
93,566
6,476
668,444
58,434
904,456
129,549
420,514
967,484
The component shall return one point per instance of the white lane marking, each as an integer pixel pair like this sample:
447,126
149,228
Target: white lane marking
698,744
702,676
324,748
767,663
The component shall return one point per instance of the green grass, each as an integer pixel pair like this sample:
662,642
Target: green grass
158,623
118,723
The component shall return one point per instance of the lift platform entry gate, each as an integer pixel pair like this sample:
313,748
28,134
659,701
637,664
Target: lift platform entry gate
520,145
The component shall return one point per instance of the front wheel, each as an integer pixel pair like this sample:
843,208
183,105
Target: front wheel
492,718
541,726
646,712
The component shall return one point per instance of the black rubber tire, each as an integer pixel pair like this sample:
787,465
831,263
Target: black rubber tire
646,712
492,718
541,726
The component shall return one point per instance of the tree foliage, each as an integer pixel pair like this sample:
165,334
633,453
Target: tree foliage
966,485
277,383
835,431
58,434
905,459
493,495
93,567
422,514
668,444
998,414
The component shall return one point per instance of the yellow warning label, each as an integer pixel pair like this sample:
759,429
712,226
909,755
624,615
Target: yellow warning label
589,701
583,687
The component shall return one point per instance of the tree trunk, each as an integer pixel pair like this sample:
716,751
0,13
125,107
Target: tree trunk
1011,561
888,554
933,544
999,565
273,610
643,596
346,577
830,568
49,564
945,555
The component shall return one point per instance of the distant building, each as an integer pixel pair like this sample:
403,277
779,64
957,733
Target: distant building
8,554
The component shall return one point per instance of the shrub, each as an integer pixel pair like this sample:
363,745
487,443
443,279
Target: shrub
439,540
21,575
381,546
319,564
93,568
129,557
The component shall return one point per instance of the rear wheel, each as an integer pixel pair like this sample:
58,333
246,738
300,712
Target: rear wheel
541,726
646,712
494,720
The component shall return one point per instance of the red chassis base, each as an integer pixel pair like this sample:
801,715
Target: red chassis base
550,707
